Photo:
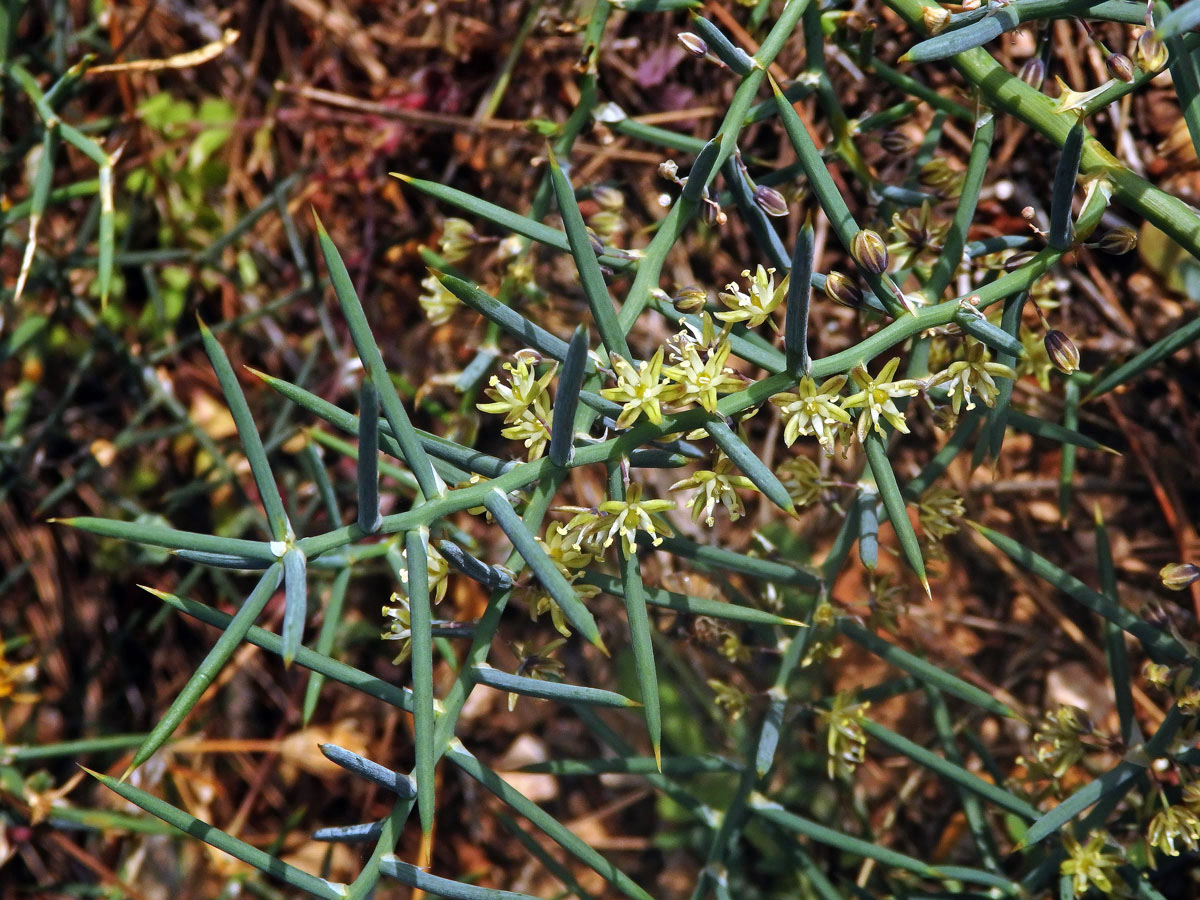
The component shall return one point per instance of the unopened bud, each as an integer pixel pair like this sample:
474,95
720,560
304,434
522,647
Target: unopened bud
1149,52
458,237
608,197
711,213
1118,241
528,355
690,299
1156,674
869,251
1179,576
770,201
1062,352
669,169
841,289
1033,72
594,240
936,18
1120,66
896,143
693,44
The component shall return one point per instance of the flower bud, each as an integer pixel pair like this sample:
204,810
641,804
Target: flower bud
693,44
690,299
869,251
458,237
1118,241
609,198
1149,52
896,143
1179,576
841,289
936,18
1156,674
1120,66
669,169
1062,352
1033,72
770,201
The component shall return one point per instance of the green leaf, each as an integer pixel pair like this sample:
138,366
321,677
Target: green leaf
210,834
1159,643
369,517
543,568
389,779
566,398
295,610
893,502
367,684
549,690
416,544
924,670
208,670
1063,189
590,277
281,529
421,880
368,352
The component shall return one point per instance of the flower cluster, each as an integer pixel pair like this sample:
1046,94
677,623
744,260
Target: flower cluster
694,372
524,403
713,486
754,305
612,518
813,411
1090,864
845,741
570,560
976,373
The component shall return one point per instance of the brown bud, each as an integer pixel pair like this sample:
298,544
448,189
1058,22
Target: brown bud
770,201
869,251
1120,66
693,44
1179,576
841,289
936,18
1062,352
1033,72
608,197
690,299
1118,241
896,143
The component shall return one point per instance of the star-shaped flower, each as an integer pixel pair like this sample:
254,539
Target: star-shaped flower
876,396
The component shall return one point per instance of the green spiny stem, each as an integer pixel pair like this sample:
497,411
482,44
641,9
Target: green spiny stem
1005,92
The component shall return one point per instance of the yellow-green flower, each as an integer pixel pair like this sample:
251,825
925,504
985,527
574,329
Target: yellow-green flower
845,741
754,307
976,374
640,391
437,301
698,366
875,396
714,486
802,479
1090,865
731,700
936,508
537,664
813,410
525,404
458,237
1060,735
629,516
1174,823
